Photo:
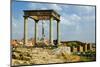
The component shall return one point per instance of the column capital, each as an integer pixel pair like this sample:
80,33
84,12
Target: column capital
58,21
36,21
25,16
51,16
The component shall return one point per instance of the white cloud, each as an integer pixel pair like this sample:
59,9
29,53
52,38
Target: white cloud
55,7
32,6
14,21
75,17
44,6
89,19
85,10
65,21
38,6
14,24
88,8
70,19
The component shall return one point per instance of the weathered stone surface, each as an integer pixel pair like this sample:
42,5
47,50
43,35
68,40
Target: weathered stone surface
24,55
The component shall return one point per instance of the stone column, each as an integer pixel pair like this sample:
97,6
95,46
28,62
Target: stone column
25,29
43,34
36,31
85,47
89,46
51,31
58,32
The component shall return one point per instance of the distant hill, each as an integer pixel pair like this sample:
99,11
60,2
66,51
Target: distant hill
78,42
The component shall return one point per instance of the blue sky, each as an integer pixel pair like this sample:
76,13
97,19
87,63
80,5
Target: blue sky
77,22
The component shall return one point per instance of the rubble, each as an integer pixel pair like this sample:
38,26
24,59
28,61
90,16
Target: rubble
23,55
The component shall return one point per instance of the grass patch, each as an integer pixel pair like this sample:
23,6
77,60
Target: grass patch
84,59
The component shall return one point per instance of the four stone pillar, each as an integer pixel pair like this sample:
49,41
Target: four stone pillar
51,31
58,32
25,29
36,31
